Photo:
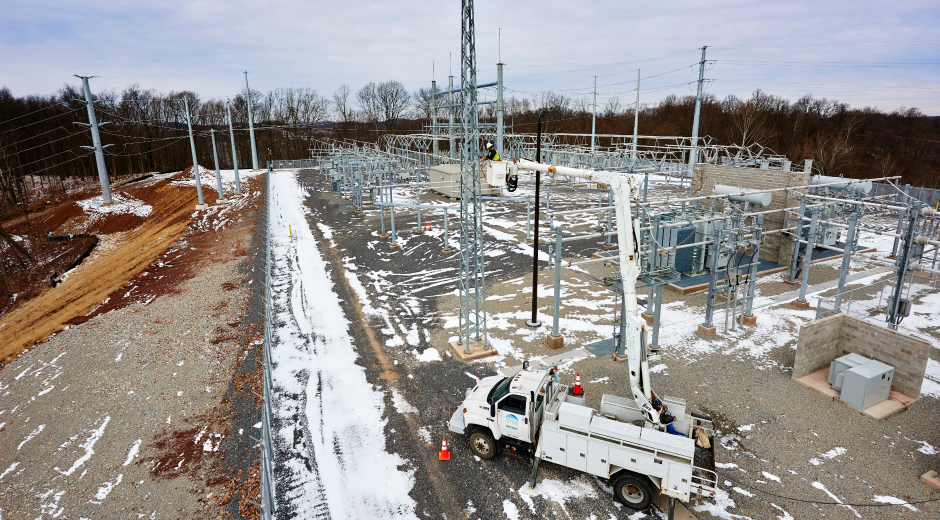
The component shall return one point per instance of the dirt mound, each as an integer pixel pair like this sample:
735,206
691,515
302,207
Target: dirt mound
90,284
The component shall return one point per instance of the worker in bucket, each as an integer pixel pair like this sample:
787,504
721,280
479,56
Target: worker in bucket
491,153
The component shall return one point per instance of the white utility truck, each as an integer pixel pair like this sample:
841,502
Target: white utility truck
640,445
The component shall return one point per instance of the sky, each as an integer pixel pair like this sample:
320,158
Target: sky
864,52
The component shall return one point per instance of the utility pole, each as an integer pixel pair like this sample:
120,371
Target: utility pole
218,173
192,144
434,146
251,126
499,109
96,142
231,132
693,155
594,114
636,114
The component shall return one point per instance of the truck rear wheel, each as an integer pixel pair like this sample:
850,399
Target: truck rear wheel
633,492
482,444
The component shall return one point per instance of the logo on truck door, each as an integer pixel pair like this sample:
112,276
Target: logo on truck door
512,422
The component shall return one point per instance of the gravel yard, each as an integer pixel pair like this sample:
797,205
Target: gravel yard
144,411
784,451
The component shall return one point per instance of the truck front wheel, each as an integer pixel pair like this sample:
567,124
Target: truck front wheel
482,444
633,492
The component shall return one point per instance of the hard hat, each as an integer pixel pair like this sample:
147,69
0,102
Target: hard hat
489,145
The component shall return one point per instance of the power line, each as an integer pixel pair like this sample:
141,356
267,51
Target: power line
830,63
41,120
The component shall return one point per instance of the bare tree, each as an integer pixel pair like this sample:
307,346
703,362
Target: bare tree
369,108
393,101
612,108
343,107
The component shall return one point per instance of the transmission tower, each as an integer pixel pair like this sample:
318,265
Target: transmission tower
472,282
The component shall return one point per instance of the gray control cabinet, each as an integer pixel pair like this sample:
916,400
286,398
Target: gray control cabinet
866,385
838,367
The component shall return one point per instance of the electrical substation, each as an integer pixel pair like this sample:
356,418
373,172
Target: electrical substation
634,227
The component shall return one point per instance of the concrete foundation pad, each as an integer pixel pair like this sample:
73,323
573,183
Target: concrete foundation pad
707,331
394,246
476,350
648,317
800,305
221,201
819,381
201,206
792,282
446,251
419,231
749,320
930,478
554,342
610,246
383,236
617,358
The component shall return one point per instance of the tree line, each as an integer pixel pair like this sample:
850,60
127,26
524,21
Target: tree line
147,129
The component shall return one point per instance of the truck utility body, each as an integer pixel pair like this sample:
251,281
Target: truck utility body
531,413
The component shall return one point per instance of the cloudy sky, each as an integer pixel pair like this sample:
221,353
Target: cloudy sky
864,52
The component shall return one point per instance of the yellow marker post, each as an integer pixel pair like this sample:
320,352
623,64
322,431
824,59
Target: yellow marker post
289,230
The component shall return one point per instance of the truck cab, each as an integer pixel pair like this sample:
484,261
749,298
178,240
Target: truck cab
505,412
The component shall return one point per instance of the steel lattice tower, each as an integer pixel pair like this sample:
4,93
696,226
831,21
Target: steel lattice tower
472,282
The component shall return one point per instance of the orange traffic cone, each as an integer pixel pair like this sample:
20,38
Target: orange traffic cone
577,391
445,454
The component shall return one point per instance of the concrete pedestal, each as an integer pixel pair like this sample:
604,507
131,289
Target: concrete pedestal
748,320
647,317
554,342
792,282
476,350
707,331
930,478
383,236
221,201
394,246
419,231
800,305
201,206
610,246
446,251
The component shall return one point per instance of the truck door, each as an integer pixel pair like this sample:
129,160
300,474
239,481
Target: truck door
512,417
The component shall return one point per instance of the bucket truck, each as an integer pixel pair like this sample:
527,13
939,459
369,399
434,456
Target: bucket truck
639,445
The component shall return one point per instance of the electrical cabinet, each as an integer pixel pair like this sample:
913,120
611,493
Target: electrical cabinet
838,367
867,385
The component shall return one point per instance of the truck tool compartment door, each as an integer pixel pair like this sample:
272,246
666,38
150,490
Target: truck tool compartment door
555,446
511,417
597,462
577,452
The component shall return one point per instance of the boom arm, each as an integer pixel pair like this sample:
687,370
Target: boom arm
623,186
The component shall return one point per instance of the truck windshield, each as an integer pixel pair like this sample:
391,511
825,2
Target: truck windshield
499,391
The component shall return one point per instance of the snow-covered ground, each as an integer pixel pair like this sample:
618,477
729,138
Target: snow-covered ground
341,468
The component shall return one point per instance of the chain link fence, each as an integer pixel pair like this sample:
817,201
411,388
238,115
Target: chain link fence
293,164
267,445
